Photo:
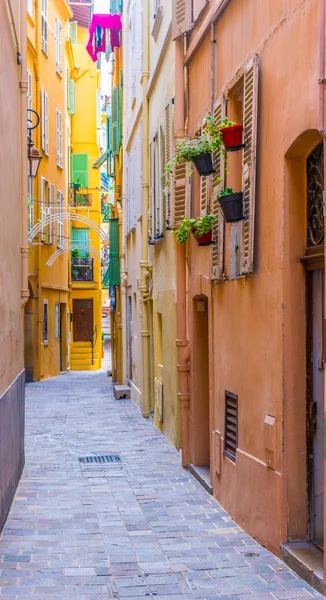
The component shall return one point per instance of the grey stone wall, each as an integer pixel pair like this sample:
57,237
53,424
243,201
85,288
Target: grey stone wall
12,433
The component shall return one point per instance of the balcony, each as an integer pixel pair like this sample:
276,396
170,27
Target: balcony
79,197
82,269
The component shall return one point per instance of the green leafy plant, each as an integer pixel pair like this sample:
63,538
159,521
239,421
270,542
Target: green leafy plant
226,123
226,192
75,253
198,226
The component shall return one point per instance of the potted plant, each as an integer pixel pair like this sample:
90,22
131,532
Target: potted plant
202,229
231,135
196,150
231,204
76,254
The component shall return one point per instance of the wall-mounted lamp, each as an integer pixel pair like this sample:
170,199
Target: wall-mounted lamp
33,155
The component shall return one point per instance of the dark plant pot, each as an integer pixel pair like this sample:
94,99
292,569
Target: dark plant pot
232,137
204,164
232,207
204,240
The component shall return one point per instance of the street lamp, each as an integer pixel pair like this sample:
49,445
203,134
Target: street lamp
33,155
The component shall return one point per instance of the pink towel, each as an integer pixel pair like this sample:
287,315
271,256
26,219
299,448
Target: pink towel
112,22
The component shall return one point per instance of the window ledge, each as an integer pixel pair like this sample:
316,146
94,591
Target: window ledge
157,22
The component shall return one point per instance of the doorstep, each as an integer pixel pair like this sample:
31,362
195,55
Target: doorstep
202,474
307,561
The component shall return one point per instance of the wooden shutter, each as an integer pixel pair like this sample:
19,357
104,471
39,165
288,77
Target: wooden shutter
46,123
116,135
250,111
42,209
205,188
42,119
160,210
151,220
73,26
218,180
167,157
51,212
72,96
181,17
180,189
114,264
199,6
79,165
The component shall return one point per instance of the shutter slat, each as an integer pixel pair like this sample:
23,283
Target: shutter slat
168,157
181,17
218,180
249,164
231,425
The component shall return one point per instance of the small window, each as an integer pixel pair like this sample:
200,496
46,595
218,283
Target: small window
30,204
59,139
45,322
57,320
231,425
60,221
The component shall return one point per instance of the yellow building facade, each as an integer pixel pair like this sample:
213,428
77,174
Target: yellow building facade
84,199
47,311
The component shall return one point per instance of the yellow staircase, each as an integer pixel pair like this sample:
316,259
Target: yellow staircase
81,357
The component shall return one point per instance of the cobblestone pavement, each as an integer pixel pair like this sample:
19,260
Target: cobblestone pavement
142,528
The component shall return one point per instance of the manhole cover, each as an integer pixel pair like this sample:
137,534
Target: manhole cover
100,460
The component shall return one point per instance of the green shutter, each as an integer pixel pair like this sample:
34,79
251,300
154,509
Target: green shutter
116,134
73,25
80,240
108,133
79,165
113,7
106,278
72,96
120,6
114,252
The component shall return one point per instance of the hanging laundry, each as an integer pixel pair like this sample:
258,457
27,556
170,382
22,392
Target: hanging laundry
97,34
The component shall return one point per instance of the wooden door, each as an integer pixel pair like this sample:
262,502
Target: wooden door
83,320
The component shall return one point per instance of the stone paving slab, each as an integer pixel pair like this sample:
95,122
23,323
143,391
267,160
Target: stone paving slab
142,528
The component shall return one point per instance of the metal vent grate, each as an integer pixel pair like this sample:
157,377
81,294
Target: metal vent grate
231,425
100,460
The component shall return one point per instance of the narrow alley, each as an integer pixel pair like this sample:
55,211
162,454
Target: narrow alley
135,528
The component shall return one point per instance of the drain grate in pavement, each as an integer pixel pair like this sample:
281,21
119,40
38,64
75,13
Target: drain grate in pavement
100,460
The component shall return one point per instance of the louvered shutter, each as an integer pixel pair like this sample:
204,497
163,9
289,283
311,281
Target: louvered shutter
180,190
42,209
114,265
151,220
116,136
72,96
250,106
51,212
79,165
204,195
42,119
181,17
73,25
167,157
217,258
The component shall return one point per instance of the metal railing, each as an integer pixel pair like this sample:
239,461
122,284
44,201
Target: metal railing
82,269
78,197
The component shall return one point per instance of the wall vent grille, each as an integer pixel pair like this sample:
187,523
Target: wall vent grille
231,425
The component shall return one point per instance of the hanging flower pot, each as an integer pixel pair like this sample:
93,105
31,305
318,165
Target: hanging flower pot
231,204
204,240
203,163
232,137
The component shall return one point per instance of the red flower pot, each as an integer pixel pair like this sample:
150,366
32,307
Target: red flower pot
204,240
232,137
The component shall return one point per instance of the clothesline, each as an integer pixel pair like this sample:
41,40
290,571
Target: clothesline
100,25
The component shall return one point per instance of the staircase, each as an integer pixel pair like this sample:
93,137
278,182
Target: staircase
81,357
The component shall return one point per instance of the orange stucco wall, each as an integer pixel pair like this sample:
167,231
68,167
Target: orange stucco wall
257,325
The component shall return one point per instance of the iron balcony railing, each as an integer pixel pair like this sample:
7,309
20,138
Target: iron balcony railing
82,269
79,197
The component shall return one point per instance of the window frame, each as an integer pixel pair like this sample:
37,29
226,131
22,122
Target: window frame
44,27
57,320
60,221
45,322
58,46
59,135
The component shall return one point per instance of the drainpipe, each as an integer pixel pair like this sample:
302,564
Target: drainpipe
23,159
182,342
321,82
144,259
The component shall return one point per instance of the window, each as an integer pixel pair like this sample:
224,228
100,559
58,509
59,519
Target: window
45,322
42,208
30,204
80,240
57,320
158,17
60,222
45,121
44,26
157,210
46,211
29,89
58,46
59,139
73,25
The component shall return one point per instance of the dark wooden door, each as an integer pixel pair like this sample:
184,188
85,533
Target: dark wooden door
83,320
